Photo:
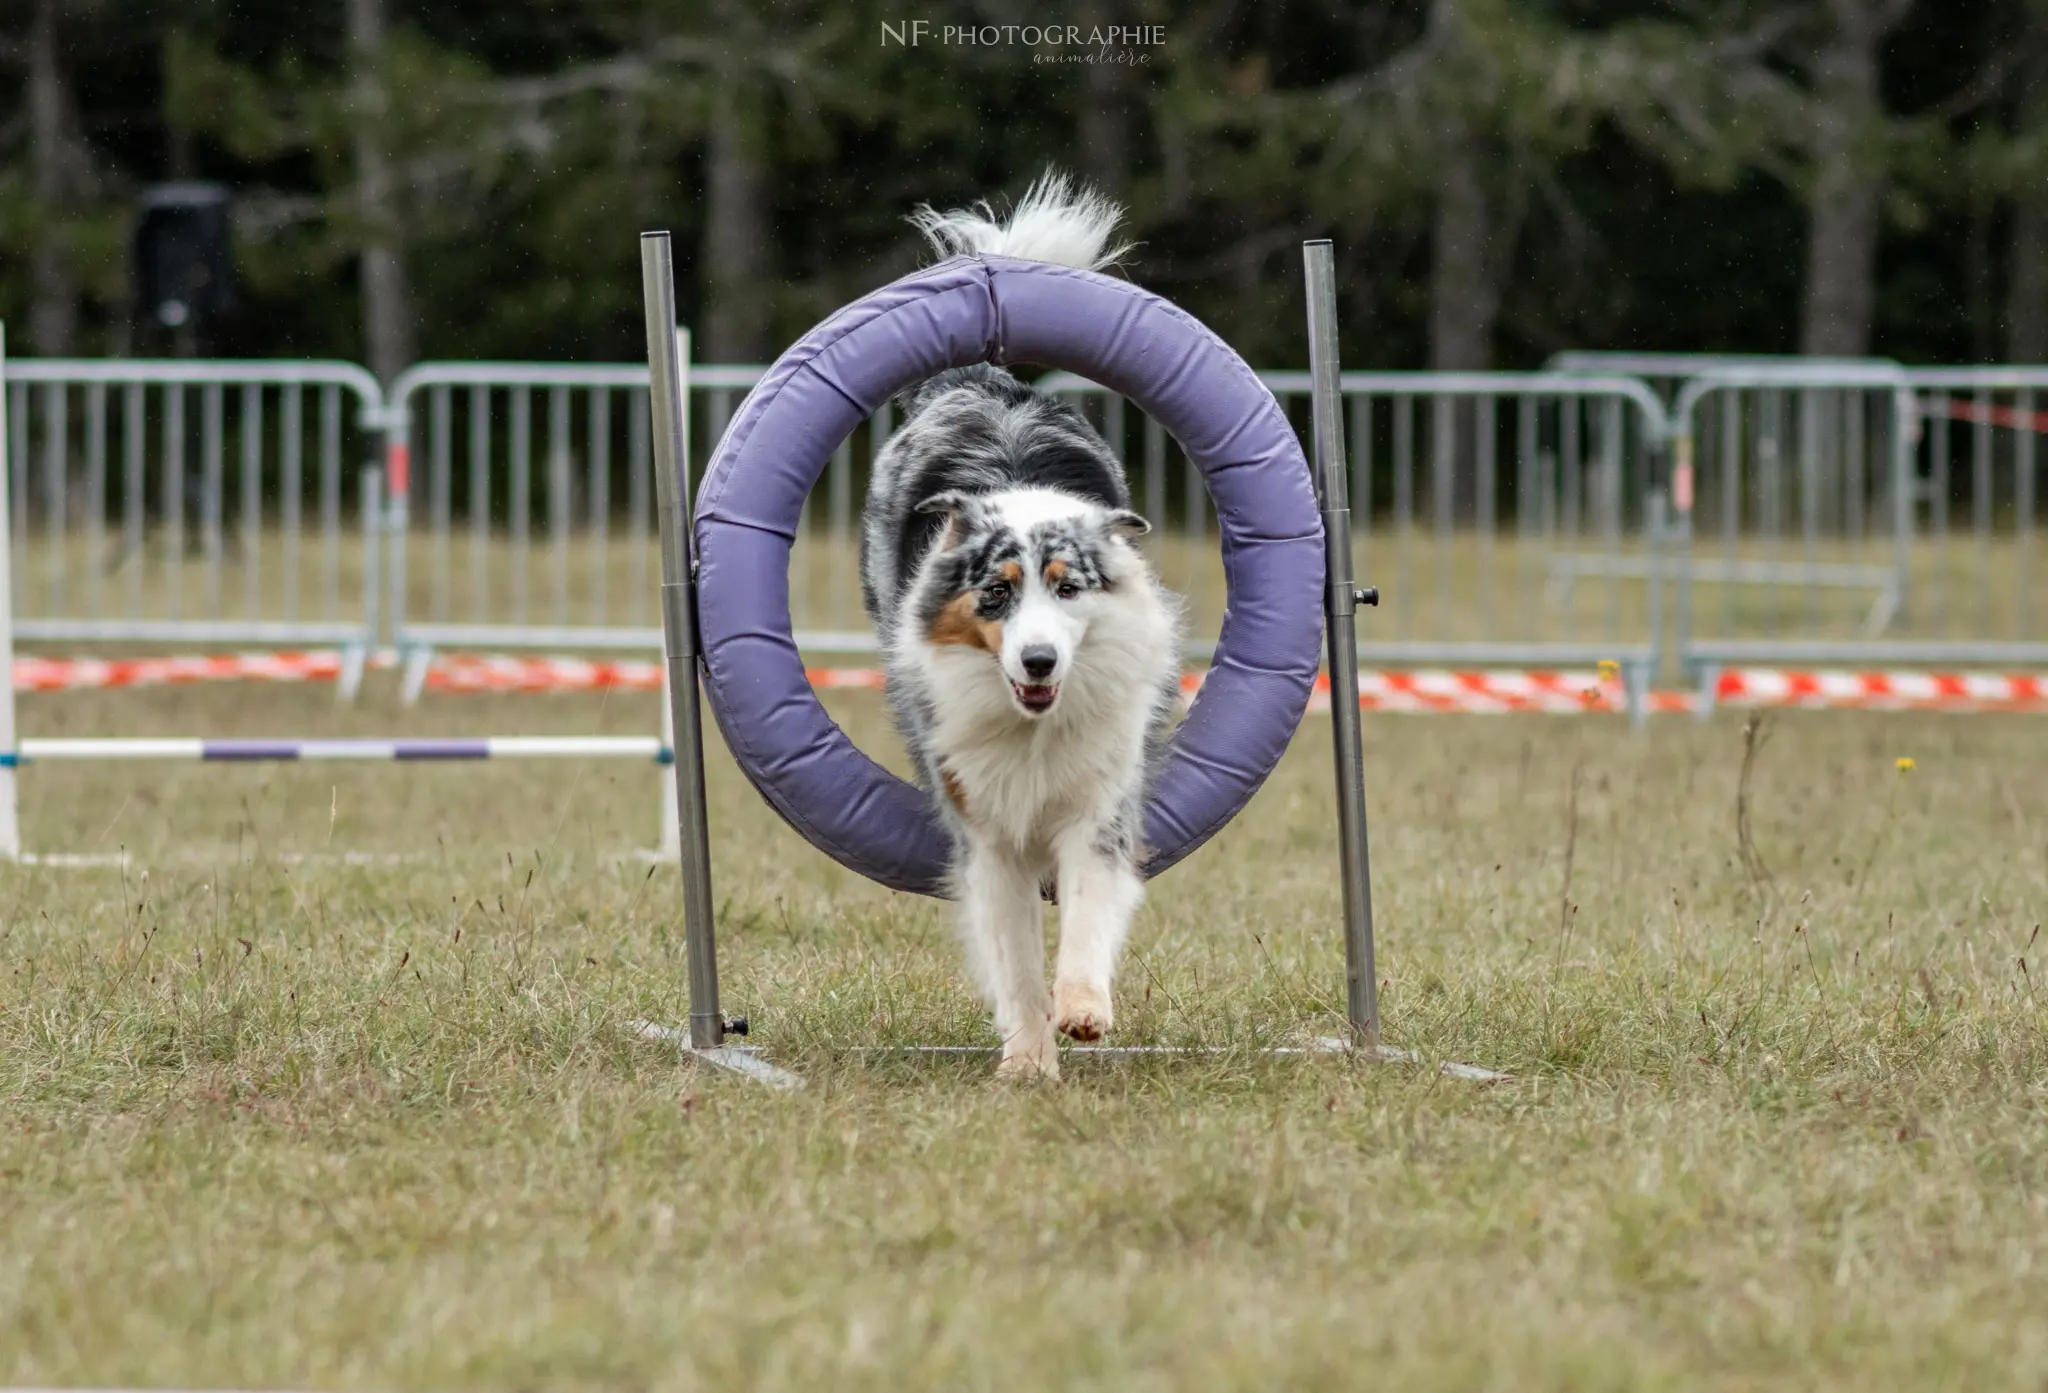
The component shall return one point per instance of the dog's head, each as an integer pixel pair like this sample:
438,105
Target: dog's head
1024,575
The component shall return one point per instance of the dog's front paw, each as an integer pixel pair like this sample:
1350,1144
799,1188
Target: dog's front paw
1031,1066
1081,1010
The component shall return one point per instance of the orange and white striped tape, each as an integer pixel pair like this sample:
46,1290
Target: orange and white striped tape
39,674
1482,693
1392,691
469,672
1407,690
1892,691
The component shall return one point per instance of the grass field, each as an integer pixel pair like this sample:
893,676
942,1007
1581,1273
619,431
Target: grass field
1777,1117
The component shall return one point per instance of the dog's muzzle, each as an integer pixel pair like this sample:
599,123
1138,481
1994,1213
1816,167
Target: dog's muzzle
1036,697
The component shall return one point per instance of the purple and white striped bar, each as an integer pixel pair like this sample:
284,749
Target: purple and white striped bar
647,747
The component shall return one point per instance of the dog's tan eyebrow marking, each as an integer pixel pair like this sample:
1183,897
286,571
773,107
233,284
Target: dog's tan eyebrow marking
1012,572
960,623
1055,571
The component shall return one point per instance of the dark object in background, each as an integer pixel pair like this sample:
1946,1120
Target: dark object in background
184,285
184,263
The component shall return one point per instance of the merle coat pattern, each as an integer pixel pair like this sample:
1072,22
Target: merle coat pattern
1033,660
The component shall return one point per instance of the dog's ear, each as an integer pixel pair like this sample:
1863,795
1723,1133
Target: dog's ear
948,505
1125,523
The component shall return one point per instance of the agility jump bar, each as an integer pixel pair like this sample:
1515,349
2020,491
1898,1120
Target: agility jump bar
647,747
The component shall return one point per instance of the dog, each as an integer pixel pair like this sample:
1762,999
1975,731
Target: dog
1032,658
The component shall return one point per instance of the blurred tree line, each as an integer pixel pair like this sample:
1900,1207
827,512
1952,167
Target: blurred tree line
1504,178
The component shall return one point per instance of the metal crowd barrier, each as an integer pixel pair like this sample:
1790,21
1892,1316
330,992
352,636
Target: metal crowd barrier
1987,597
1795,488
1666,374
521,512
1884,515
1781,511
528,521
1478,501
194,502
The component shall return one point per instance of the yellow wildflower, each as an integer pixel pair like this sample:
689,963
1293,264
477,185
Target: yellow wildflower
1609,669
1905,764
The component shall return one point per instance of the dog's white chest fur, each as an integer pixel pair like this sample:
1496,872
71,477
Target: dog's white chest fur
1025,782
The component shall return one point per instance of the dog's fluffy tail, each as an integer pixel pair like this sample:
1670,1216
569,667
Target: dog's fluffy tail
1057,220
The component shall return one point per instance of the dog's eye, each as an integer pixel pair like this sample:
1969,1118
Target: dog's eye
997,594
1067,590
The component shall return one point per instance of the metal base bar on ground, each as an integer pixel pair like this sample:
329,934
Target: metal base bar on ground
747,1060
1322,1045
744,1060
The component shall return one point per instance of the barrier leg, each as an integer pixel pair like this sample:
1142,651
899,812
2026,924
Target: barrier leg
10,820
419,661
1708,695
670,846
1635,689
396,521
1659,531
1340,605
355,659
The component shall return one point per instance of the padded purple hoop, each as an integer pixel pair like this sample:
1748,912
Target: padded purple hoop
976,309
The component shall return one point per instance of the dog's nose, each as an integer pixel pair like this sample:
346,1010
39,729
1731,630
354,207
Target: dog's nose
1039,661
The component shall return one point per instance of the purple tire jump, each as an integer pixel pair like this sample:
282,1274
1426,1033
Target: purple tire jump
990,309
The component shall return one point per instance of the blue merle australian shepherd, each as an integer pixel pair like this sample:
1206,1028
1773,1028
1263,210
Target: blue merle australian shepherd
1033,660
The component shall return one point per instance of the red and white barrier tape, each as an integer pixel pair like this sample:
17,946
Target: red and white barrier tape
474,672
1418,690
38,674
1482,693
1895,691
1963,409
469,672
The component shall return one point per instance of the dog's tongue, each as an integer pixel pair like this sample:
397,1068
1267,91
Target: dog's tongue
1036,697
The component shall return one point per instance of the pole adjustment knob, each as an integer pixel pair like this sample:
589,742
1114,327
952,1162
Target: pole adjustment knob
736,1025
1367,595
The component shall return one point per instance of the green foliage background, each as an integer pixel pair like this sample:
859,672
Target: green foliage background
1650,146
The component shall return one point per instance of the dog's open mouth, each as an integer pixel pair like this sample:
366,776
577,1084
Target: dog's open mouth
1037,698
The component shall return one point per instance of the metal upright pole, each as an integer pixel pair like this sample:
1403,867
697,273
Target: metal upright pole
1341,599
665,349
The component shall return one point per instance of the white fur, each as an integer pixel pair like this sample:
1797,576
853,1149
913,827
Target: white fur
1052,797
1039,791
1055,221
